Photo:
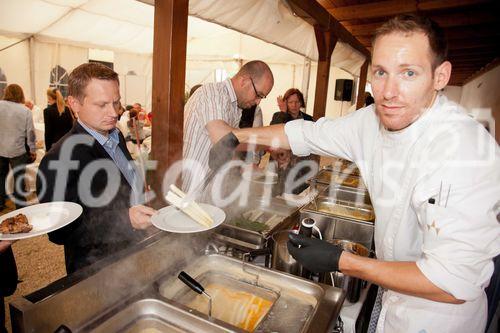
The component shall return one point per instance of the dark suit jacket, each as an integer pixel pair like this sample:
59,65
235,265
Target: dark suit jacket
284,117
99,231
56,125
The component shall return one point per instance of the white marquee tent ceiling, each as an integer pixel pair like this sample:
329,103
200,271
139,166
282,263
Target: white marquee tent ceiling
127,25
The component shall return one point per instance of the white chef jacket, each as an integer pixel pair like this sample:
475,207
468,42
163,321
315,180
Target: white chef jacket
444,155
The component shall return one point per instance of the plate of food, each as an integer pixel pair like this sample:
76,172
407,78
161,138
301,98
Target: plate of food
38,219
173,219
185,215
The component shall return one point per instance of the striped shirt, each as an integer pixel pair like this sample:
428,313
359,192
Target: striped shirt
16,129
212,101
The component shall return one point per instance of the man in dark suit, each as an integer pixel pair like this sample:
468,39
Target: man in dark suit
91,166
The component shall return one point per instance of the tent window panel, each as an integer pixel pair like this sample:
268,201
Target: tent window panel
59,80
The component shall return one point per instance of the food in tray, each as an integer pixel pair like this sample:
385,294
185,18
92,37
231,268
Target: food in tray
329,177
346,211
257,220
342,179
250,224
236,307
345,166
15,225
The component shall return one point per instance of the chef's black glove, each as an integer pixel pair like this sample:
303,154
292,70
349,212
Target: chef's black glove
222,151
316,255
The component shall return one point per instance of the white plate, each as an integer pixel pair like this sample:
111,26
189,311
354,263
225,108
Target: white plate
172,219
44,218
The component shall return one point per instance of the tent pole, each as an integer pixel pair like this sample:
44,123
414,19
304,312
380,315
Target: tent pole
362,85
169,75
306,77
32,69
326,41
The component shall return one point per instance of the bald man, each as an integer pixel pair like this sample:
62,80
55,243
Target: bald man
215,102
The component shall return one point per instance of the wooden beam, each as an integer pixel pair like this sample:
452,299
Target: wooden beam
169,67
444,20
394,7
448,4
476,31
476,51
460,44
483,70
372,9
363,73
326,41
315,14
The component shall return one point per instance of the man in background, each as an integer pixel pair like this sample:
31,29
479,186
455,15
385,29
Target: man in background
220,101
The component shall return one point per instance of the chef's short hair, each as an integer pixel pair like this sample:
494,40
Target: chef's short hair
81,76
410,23
256,69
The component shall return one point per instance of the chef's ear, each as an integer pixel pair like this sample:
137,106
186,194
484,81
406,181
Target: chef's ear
442,75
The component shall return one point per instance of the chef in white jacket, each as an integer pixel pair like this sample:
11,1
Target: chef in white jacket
433,175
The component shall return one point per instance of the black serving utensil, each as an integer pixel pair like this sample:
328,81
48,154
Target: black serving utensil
197,287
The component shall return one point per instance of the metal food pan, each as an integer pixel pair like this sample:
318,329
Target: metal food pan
154,315
334,227
245,239
302,306
330,177
344,166
344,193
230,298
342,208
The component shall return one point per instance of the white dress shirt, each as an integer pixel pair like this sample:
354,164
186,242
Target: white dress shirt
444,156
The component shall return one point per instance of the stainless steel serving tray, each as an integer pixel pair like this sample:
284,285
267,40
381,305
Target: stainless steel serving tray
344,166
154,315
329,177
246,239
302,306
342,208
344,193
339,227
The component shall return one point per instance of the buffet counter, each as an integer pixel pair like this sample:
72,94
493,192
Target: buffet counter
138,291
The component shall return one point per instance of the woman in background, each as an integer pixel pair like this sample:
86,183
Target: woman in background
57,117
290,106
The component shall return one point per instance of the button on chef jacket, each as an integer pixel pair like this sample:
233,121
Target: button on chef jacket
443,155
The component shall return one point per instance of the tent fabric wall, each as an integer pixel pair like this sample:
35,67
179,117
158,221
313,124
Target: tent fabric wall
49,55
127,25
63,35
15,63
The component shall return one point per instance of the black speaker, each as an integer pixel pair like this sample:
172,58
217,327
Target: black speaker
343,90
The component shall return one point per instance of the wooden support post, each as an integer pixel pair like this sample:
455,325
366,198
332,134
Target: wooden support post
326,40
362,85
169,70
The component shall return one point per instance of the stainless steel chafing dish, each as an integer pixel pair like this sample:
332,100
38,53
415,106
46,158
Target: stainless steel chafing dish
344,166
274,215
354,223
345,209
135,292
329,178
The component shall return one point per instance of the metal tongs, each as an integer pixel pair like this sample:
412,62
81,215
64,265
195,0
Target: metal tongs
197,287
200,188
